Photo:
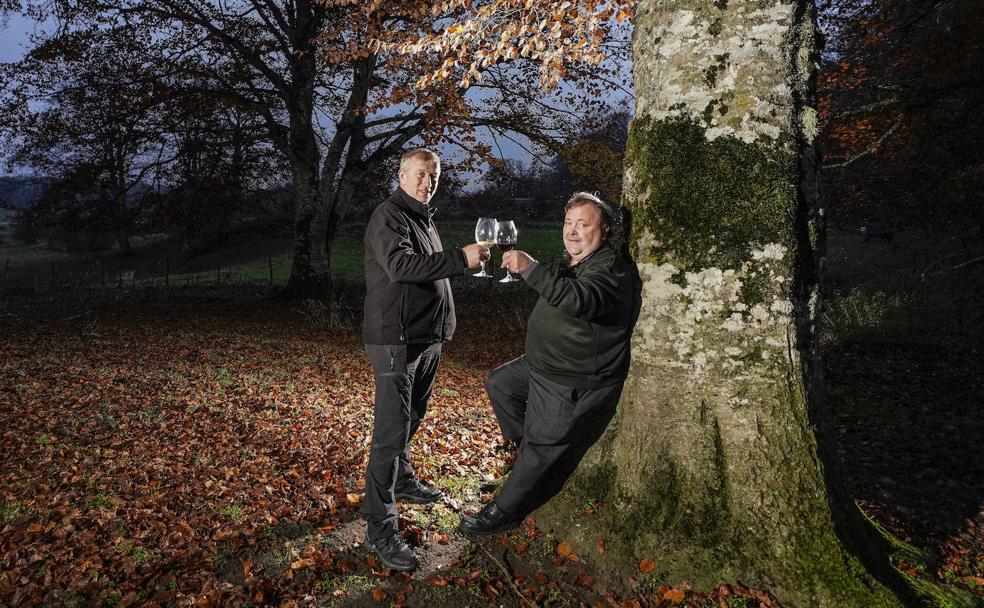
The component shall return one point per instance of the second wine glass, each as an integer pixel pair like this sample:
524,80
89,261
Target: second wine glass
506,236
484,236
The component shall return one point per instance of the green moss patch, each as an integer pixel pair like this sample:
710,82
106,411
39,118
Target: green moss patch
706,201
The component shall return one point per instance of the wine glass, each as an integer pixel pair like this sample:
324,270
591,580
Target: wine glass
505,239
484,236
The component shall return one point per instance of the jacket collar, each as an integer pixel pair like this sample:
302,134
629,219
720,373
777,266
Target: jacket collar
412,204
604,246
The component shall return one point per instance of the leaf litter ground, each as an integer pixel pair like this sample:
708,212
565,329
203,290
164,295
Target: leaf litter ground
213,455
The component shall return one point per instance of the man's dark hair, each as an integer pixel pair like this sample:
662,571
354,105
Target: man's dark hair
586,198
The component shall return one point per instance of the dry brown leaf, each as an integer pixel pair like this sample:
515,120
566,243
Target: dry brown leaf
675,596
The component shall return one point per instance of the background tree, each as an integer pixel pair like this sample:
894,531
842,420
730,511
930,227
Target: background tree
595,160
222,159
900,99
510,178
86,118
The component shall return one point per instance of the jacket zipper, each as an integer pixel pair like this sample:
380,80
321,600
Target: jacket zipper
403,313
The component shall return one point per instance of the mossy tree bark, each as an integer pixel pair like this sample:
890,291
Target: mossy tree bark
715,466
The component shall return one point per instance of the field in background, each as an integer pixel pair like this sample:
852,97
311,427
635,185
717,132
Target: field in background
246,258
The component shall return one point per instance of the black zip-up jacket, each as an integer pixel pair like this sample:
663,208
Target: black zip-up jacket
579,332
408,294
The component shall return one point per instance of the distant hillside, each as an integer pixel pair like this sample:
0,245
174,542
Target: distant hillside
20,192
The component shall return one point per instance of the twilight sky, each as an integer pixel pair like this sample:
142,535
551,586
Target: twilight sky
14,36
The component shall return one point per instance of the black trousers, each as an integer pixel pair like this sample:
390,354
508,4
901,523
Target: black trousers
404,380
554,425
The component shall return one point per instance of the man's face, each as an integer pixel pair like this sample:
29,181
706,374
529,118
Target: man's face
584,231
419,178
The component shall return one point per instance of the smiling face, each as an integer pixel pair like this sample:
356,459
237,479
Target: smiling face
584,231
419,176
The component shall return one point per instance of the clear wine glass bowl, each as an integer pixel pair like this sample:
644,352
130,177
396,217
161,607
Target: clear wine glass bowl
485,236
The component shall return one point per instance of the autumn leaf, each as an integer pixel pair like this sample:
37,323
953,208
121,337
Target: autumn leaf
378,594
601,544
563,548
646,566
674,596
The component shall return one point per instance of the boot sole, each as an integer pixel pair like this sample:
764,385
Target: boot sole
489,532
416,500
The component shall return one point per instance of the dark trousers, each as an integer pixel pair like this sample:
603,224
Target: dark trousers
404,380
554,425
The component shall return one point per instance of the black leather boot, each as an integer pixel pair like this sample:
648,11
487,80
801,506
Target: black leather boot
393,552
490,520
412,489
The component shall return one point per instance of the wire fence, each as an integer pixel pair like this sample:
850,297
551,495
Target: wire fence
66,277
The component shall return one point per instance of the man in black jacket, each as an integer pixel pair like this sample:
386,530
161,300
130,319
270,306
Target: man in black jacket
556,400
408,314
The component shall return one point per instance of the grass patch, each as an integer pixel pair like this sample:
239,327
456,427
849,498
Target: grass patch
909,311
349,584
11,511
232,512
103,500
139,555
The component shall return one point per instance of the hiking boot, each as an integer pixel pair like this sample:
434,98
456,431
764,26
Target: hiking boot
412,489
393,552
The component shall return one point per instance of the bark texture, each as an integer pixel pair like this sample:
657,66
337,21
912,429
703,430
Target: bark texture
713,466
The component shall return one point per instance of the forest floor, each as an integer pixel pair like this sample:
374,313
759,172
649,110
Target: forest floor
208,450
212,453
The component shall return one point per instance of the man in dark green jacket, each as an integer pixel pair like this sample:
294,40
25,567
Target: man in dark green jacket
556,400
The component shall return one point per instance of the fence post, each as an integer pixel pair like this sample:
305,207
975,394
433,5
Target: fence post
269,262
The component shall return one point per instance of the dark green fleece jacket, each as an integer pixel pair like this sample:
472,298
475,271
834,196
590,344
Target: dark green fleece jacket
578,334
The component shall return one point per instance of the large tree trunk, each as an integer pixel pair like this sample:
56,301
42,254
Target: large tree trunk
309,272
714,466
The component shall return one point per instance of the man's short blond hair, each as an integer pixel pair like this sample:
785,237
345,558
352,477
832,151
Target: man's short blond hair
422,153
